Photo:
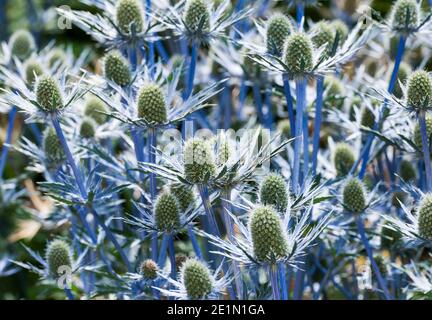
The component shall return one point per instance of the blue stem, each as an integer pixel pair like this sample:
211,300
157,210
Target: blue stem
300,11
151,53
162,252
191,72
269,114
283,281
305,146
153,186
392,83
426,150
242,98
69,294
317,125
195,243
301,96
274,282
289,101
9,133
368,248
172,256
36,132
257,97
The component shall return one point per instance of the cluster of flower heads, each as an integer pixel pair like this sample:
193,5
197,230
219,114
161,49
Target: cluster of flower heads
220,151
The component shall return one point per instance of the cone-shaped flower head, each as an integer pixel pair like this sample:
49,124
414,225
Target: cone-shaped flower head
52,147
58,57
48,94
367,118
323,36
405,15
268,238
343,159
407,171
88,128
58,255
184,194
167,212
116,68
197,279
417,133
278,30
22,44
403,73
197,15
95,108
273,191
341,30
151,104
425,217
32,69
148,269
199,163
354,196
419,93
129,15
298,54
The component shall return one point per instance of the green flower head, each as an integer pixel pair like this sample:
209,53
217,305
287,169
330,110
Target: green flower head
343,159
405,15
278,29
273,191
22,44
48,94
52,147
116,68
95,108
419,92
197,279
354,196
151,104
425,217
58,255
298,54
167,212
197,16
199,163
129,16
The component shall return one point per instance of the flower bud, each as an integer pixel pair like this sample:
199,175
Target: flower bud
116,68
58,57
278,29
167,215
417,133
419,93
48,94
273,191
268,237
354,196
148,269
367,118
404,15
32,69
343,159
52,147
199,163
425,217
88,128
298,54
197,279
95,108
341,30
197,14
151,104
22,44
129,15
58,255
323,35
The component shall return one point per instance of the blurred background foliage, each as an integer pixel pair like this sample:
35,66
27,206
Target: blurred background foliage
15,226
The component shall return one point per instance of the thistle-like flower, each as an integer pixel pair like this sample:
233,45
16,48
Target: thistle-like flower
273,192
298,55
405,16
58,255
185,196
129,16
278,29
323,36
343,159
33,69
151,104
419,91
52,148
417,135
117,69
96,109
199,162
87,128
354,196
425,218
167,212
149,269
22,44
48,95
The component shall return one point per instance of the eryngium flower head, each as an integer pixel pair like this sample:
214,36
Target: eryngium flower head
354,196
184,194
323,36
95,109
22,43
116,68
343,159
405,15
32,68
341,30
199,163
417,133
88,128
197,16
268,238
52,147
151,104
197,279
129,15
278,29
58,255
425,217
407,171
48,94
58,57
167,212
419,93
148,269
298,54
367,118
403,73
273,191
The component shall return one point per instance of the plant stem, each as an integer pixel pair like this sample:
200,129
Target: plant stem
368,248
69,294
171,250
258,100
305,145
195,243
301,96
318,120
9,133
283,281
289,102
191,73
153,186
300,11
426,150
274,281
